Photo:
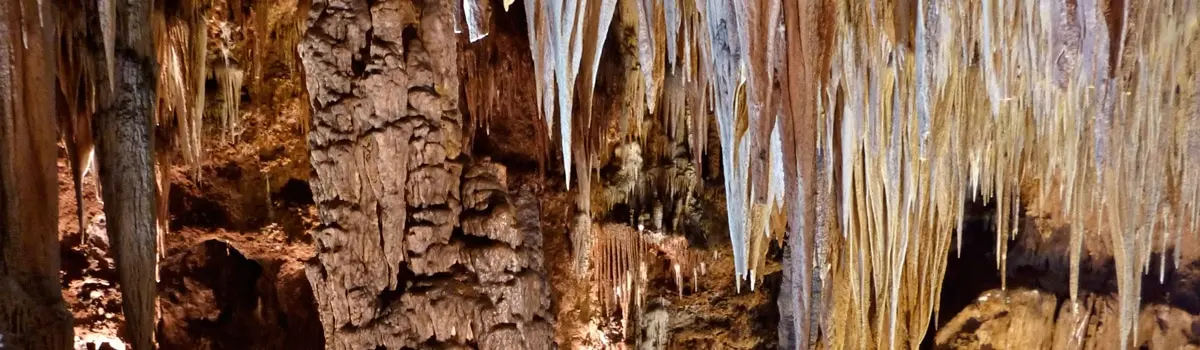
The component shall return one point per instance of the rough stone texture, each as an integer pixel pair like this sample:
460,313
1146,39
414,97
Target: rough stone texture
1094,326
222,290
655,322
418,246
1026,319
32,312
1164,327
1017,319
126,168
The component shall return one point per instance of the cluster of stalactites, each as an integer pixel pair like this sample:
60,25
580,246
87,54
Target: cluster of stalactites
923,120
702,52
181,37
563,35
894,223
933,105
624,257
229,81
1145,148
181,45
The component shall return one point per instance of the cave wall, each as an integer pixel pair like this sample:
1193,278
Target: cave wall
417,245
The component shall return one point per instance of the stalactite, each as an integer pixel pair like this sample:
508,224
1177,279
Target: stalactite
540,47
997,144
761,18
193,148
480,87
724,62
75,81
566,26
696,57
672,21
478,17
597,20
260,21
32,313
562,34
651,43
775,182
623,256
173,88
229,80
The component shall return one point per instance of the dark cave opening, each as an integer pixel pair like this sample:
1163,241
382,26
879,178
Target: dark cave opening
294,193
970,273
211,295
214,296
189,210
1041,261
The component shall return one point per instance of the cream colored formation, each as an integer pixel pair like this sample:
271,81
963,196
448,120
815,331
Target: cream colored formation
623,257
1087,107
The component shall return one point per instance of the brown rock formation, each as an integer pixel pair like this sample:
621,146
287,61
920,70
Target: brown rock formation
418,244
126,141
32,314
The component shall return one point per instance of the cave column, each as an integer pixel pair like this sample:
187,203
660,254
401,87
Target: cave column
32,312
126,166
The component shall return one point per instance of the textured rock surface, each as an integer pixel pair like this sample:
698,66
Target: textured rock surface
32,313
654,323
126,168
418,246
1026,319
1019,319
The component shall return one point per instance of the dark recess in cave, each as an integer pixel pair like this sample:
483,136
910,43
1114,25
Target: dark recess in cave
217,268
972,273
189,210
294,193
215,297
1035,262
